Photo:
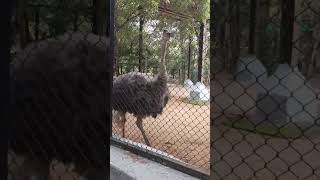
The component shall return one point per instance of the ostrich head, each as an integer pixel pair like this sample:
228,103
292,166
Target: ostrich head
166,35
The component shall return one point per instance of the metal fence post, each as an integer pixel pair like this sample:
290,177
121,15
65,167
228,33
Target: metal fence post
5,77
110,59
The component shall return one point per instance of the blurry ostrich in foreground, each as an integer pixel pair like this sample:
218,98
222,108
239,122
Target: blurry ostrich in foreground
58,106
140,95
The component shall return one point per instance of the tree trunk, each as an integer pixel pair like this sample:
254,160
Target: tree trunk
183,57
141,26
234,10
286,31
22,23
75,21
179,74
117,66
116,62
200,57
263,7
262,16
26,27
220,60
189,56
98,17
58,25
253,7
183,71
36,26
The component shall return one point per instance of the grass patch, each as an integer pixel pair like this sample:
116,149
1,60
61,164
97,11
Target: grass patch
195,102
289,131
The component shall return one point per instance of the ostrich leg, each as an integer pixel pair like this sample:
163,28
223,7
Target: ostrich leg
123,122
120,120
140,126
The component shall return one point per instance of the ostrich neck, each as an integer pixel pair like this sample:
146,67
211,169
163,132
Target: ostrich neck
162,71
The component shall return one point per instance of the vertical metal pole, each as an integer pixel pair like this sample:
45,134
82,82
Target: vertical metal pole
110,59
6,14
213,41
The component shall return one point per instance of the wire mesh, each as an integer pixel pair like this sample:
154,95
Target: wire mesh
265,108
166,113
59,82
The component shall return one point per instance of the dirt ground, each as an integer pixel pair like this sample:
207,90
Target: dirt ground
183,130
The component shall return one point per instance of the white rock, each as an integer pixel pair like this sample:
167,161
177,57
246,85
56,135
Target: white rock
282,97
188,84
200,92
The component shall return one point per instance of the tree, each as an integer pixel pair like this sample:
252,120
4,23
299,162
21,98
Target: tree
200,57
22,22
99,21
189,56
141,26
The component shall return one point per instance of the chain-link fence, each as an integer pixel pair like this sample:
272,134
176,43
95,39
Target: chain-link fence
59,91
161,84
265,105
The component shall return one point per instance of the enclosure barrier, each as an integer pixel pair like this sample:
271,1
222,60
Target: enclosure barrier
264,82
161,83
179,136
265,106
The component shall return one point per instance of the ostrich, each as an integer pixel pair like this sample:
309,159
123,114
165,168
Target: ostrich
141,96
58,102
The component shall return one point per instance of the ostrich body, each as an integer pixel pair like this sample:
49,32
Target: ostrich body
58,102
140,95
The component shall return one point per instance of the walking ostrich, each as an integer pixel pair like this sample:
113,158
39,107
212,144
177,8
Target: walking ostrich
58,103
140,95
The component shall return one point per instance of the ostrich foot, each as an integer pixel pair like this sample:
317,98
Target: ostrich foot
123,132
147,142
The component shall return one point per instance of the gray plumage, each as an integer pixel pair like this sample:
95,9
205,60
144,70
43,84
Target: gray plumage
58,102
140,95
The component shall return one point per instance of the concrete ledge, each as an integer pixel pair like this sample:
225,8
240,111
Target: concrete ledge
118,174
125,165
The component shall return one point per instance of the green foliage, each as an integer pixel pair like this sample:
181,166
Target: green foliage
127,32
195,102
289,131
200,9
57,17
